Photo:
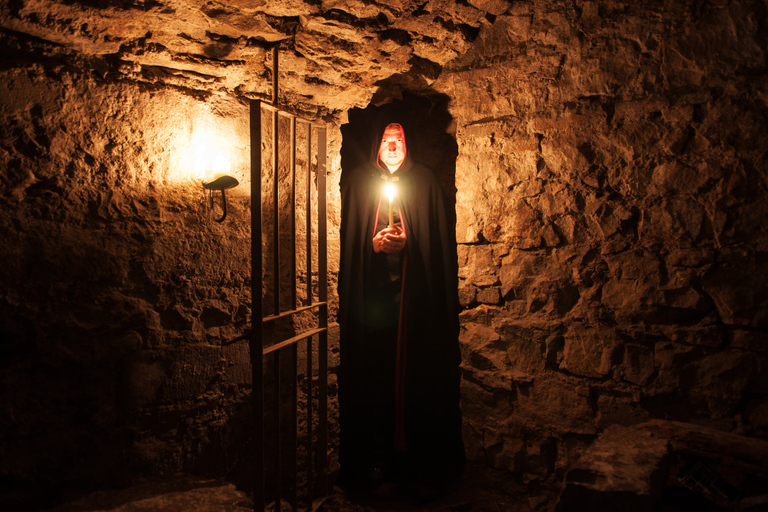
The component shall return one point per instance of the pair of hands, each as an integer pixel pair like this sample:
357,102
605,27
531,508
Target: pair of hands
389,240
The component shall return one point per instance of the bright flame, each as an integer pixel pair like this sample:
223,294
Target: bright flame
201,141
208,161
389,190
220,166
208,146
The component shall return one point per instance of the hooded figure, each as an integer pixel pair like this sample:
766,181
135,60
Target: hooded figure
398,312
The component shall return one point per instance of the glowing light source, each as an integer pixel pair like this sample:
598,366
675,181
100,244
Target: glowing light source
211,167
208,147
389,191
207,161
220,166
222,181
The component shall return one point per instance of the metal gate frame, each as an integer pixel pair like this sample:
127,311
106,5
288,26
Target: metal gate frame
317,467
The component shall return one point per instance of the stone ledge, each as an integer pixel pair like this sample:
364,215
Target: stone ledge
628,468
180,493
624,469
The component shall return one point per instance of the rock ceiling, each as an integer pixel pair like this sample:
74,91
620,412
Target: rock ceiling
333,53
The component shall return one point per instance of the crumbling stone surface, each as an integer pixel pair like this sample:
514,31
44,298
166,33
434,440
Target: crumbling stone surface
120,292
610,217
712,444
645,467
332,52
624,469
609,182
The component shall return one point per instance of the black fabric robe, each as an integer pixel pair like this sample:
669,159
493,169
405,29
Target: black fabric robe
423,321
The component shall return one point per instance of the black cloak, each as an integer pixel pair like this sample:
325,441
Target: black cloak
399,375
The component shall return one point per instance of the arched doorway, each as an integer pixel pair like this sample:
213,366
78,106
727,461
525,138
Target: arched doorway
398,304
432,124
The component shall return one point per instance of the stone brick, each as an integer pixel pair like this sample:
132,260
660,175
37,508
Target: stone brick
624,469
490,295
588,352
556,401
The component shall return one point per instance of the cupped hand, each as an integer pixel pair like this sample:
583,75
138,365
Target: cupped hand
389,240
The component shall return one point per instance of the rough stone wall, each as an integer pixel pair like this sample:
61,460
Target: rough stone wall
610,186
117,284
611,217
118,288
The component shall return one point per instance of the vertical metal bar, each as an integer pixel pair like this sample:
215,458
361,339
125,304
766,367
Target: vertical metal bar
276,208
295,427
309,214
276,261
278,448
310,460
256,341
294,347
275,70
293,213
322,285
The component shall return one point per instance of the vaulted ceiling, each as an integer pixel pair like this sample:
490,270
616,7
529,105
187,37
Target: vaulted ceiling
333,53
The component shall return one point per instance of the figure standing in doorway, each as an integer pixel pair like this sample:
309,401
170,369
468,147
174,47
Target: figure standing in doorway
399,375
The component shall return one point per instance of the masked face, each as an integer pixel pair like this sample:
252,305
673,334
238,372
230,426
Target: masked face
392,150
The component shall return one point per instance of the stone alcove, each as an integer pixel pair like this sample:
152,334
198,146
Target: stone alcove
431,123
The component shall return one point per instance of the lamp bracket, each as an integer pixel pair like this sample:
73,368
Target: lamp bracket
221,183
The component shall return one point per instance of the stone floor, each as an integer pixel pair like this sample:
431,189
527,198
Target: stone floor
480,491
656,466
176,494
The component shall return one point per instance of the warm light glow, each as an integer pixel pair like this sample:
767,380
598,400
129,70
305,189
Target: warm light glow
205,145
220,166
208,161
389,190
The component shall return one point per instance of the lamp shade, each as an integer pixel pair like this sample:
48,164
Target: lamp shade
221,183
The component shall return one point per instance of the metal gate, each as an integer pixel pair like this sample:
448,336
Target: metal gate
289,344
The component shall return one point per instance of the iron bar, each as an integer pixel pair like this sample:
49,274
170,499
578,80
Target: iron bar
278,450
286,439
275,70
309,424
309,215
276,209
293,212
294,429
290,341
287,113
256,340
286,314
322,292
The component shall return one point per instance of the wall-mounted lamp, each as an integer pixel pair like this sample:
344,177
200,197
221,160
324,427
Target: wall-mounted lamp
222,182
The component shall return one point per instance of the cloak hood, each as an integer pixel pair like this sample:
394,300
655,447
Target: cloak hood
377,132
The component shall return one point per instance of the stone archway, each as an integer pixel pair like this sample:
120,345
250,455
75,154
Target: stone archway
431,123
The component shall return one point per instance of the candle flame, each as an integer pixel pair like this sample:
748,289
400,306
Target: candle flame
389,190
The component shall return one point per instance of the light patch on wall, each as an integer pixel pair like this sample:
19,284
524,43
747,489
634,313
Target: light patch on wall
207,146
209,156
